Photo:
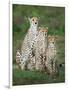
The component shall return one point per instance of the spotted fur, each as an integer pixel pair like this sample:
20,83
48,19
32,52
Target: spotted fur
41,45
18,56
28,43
51,55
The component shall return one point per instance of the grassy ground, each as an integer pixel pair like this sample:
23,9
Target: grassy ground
36,77
54,18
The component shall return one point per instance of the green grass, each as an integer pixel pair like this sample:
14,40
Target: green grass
36,77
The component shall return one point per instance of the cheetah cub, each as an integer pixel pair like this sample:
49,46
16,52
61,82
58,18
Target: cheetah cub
28,43
51,55
41,46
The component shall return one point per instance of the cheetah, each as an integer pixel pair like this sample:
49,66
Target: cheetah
28,42
51,55
41,45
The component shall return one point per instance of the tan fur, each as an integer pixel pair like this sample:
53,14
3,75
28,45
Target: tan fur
41,45
31,63
28,42
51,55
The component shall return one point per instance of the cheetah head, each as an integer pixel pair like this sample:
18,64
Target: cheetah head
34,21
43,30
52,40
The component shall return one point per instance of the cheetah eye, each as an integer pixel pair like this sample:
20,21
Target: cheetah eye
33,20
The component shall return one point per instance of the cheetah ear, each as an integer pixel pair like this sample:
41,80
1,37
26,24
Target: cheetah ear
49,36
56,37
38,18
29,18
47,28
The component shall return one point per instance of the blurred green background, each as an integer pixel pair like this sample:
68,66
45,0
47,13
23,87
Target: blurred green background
52,17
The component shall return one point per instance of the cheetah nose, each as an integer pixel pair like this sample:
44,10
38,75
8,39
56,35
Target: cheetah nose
35,22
